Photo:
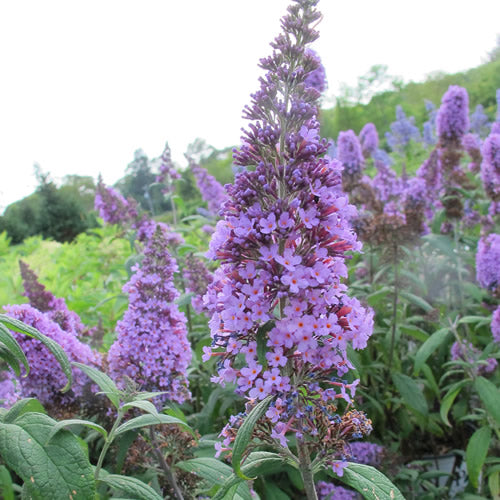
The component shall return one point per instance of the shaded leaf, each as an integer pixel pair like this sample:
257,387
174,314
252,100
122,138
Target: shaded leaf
103,381
131,486
476,452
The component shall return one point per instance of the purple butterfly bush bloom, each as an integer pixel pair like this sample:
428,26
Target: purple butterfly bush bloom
403,130
490,167
152,347
453,116
366,453
330,491
429,132
316,78
495,325
465,351
113,208
279,306
211,190
167,171
46,379
472,145
55,308
479,122
488,262
368,137
350,154
197,278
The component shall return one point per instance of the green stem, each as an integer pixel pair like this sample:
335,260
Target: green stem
394,309
306,470
107,444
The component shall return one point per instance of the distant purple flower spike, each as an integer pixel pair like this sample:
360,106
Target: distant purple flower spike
368,137
495,128
472,145
46,378
351,157
316,78
211,190
152,347
403,130
366,453
43,300
453,116
382,156
490,167
168,173
113,208
495,325
466,351
488,262
330,491
386,182
479,122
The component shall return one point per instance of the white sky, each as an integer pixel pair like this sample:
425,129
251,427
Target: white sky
83,84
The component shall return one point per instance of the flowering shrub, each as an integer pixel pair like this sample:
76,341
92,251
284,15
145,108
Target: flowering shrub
152,347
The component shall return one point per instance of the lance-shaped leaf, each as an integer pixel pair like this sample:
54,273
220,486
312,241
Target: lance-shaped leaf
103,381
149,419
371,483
22,406
244,435
77,421
59,469
15,351
490,396
476,452
429,346
131,486
52,346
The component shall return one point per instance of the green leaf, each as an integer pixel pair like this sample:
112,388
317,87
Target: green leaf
103,381
490,396
22,406
411,393
494,484
428,347
448,401
441,242
131,486
59,469
147,406
52,346
244,434
148,419
476,452
76,421
211,469
6,488
15,350
261,339
375,297
258,463
415,332
371,483
416,300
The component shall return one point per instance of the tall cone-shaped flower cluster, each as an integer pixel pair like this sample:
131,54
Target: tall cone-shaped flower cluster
281,317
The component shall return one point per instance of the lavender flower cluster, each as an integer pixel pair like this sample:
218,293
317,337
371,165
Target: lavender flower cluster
403,130
197,278
46,378
281,317
113,208
350,154
55,308
316,78
211,190
152,346
368,138
330,491
495,325
490,167
487,263
167,171
452,120
465,351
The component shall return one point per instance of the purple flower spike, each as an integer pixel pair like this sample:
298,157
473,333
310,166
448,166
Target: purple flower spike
490,167
453,116
368,137
488,262
351,156
278,302
495,325
46,378
45,301
152,347
211,190
316,78
113,208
